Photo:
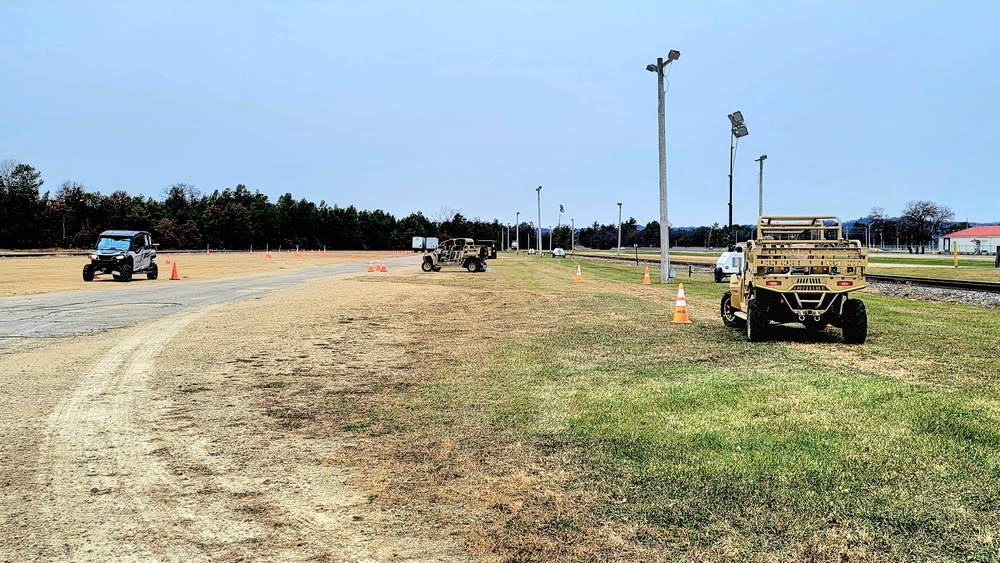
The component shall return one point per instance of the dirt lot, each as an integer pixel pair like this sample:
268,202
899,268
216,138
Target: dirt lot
202,436
26,276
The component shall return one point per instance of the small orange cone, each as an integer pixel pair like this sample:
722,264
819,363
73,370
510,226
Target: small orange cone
681,309
579,274
208,252
645,278
173,275
384,269
370,268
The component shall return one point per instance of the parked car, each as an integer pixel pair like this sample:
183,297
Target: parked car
558,253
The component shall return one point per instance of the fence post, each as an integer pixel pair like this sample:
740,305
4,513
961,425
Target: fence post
996,260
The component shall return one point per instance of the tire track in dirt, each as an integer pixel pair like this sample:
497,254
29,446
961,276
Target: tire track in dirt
104,496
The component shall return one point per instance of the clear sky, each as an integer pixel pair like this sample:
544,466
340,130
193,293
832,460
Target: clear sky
419,105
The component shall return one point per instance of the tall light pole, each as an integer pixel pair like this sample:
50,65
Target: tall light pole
539,190
572,235
551,232
739,130
619,228
517,232
760,186
664,223
559,218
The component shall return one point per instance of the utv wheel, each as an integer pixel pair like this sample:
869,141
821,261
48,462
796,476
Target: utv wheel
756,321
427,266
88,272
718,275
472,266
728,314
125,273
153,272
854,319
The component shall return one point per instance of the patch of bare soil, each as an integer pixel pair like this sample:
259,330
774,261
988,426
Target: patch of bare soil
203,436
29,276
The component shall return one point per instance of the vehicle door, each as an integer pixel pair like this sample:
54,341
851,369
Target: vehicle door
142,253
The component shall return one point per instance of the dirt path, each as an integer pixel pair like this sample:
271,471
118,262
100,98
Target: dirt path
158,443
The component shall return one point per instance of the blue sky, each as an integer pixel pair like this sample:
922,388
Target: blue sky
418,105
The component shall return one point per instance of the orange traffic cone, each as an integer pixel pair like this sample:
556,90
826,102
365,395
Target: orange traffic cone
681,309
173,275
384,269
381,267
645,278
167,261
208,252
579,274
370,268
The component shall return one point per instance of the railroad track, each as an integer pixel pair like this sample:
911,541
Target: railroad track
988,287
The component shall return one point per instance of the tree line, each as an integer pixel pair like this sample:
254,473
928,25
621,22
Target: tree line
237,218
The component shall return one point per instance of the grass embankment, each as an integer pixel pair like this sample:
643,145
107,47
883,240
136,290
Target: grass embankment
574,422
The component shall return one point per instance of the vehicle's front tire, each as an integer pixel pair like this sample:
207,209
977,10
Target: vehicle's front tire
153,272
125,273
756,321
88,273
472,265
427,266
855,321
718,275
726,310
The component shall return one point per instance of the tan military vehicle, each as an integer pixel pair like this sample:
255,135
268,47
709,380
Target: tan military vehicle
463,252
798,270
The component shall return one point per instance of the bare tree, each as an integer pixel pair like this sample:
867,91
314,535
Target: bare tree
921,220
876,220
7,167
445,215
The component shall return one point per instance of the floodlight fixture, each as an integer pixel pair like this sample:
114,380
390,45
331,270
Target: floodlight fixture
651,68
740,131
736,118
673,55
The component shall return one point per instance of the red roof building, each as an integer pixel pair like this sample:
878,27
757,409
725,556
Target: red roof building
974,240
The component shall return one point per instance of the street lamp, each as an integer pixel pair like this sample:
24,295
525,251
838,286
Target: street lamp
517,232
559,218
739,130
572,235
664,223
539,190
760,186
619,229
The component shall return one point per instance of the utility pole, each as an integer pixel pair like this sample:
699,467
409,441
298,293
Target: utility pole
739,130
572,235
619,229
664,223
517,233
539,190
760,186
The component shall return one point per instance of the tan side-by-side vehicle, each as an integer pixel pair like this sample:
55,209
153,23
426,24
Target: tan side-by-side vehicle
463,252
798,270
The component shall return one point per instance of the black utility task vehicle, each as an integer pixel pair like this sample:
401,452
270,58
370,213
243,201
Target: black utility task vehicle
121,254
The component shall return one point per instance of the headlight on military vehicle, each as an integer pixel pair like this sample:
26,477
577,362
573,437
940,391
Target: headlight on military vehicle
120,257
93,257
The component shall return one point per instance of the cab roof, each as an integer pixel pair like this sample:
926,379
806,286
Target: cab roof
123,233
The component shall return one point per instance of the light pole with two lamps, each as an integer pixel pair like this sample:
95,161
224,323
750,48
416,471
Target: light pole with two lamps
664,223
517,231
739,130
760,186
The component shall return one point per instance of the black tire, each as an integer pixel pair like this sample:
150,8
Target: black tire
855,321
718,275
472,265
756,322
152,272
427,266
88,273
125,273
726,310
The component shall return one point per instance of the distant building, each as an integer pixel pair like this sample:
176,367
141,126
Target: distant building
981,240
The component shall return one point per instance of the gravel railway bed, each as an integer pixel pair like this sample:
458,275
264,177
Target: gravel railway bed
977,294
